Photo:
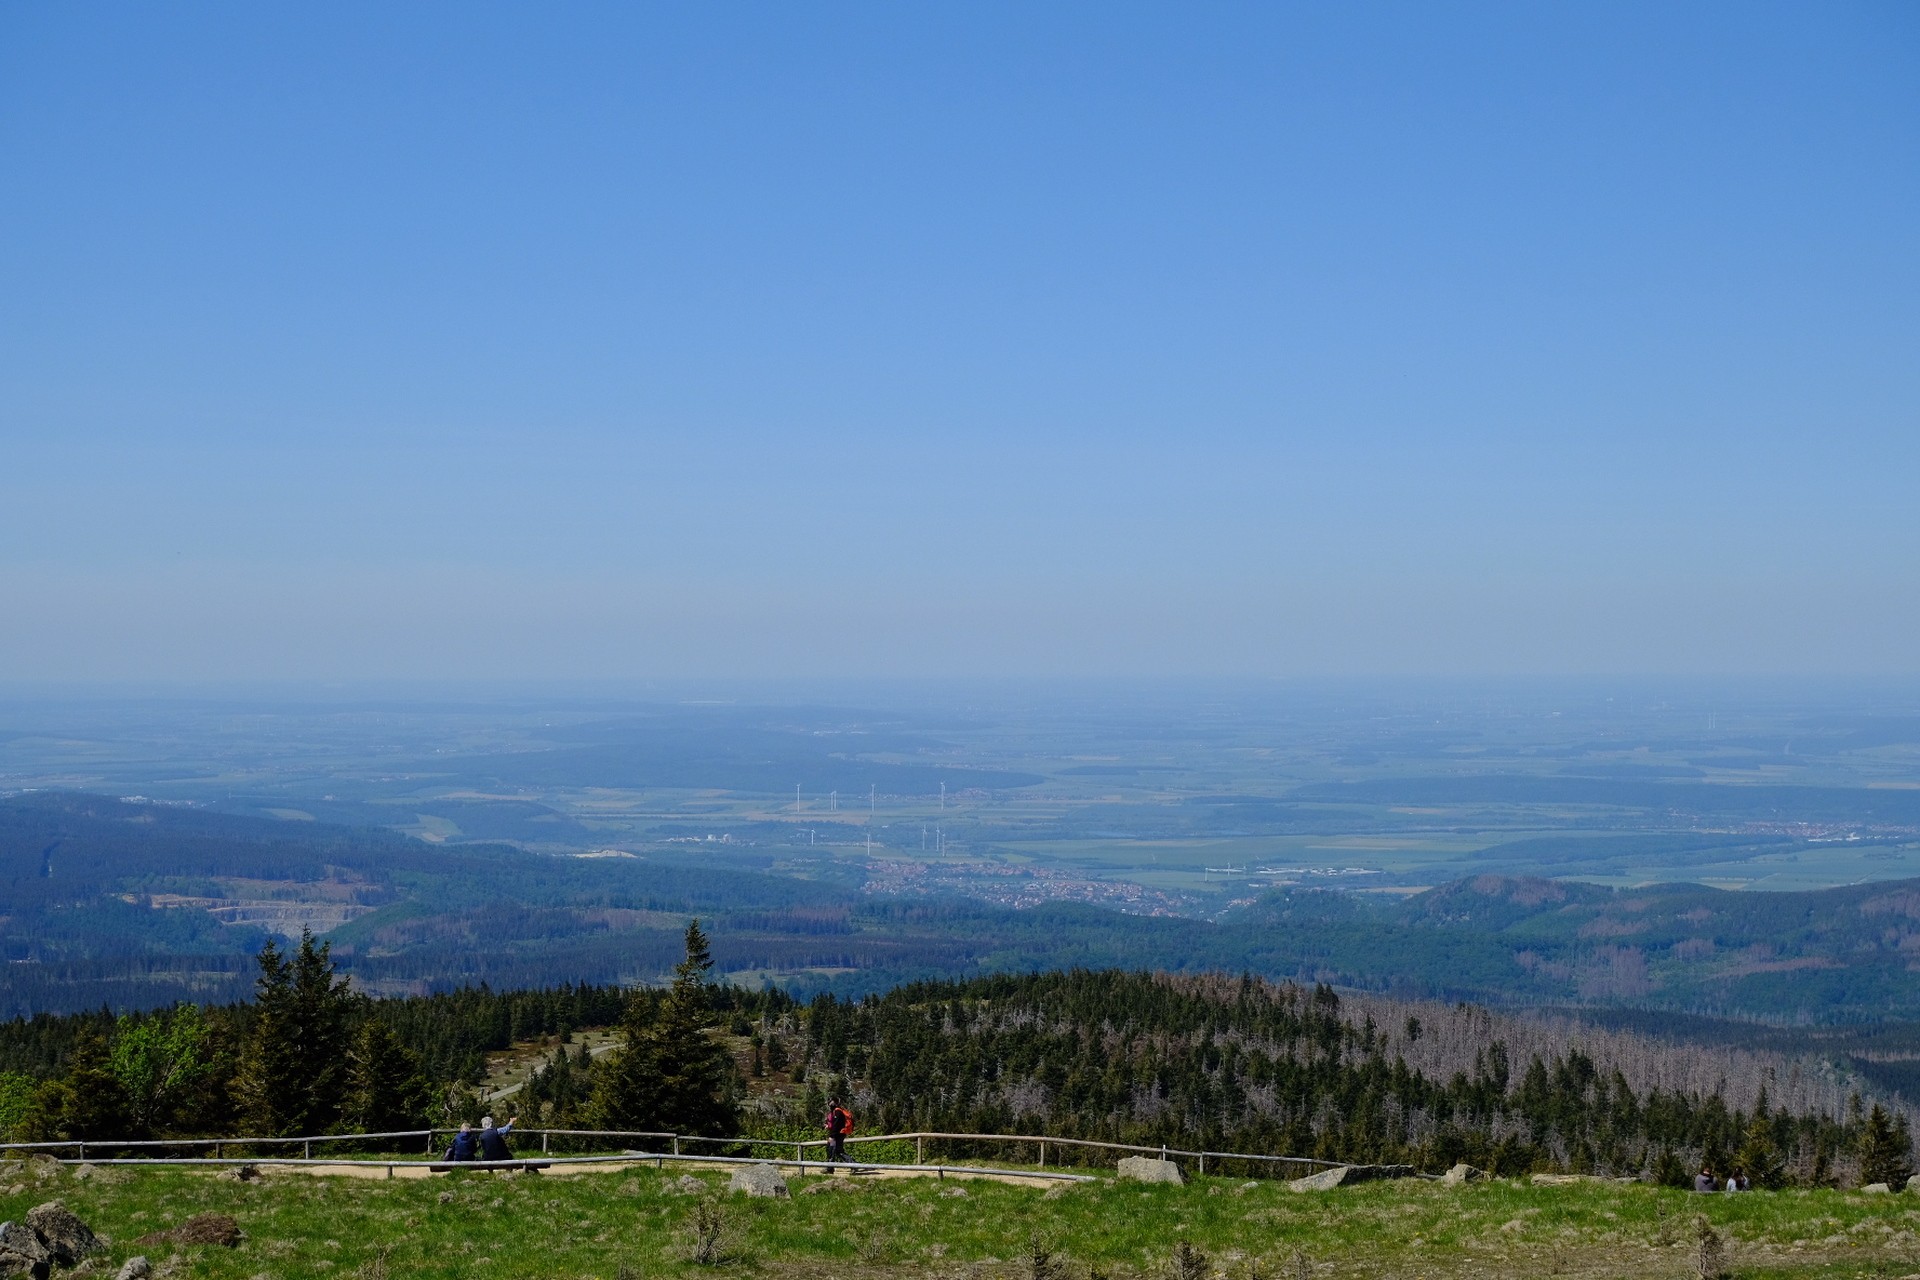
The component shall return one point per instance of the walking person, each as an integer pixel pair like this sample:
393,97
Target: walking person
839,1124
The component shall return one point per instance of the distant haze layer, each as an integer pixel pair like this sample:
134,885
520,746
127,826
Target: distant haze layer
642,341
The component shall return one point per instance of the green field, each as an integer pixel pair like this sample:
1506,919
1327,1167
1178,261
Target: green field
638,1222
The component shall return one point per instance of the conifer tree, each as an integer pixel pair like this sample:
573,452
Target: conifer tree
1886,1149
670,1075
385,1088
293,1075
1759,1155
87,1102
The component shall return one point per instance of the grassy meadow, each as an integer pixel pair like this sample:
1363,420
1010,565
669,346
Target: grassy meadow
635,1222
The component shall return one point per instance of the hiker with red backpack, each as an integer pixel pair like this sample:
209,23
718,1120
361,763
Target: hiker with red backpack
839,1126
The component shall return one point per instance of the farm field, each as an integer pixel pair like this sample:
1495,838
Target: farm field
640,1222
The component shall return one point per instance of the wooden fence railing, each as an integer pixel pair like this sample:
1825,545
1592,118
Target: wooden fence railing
676,1142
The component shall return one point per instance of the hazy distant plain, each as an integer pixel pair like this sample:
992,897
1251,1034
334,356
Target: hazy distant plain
1169,800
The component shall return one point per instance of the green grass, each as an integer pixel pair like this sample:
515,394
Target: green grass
634,1223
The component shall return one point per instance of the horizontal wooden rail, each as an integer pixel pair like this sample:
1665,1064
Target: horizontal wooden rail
660,1158
799,1145
1163,1152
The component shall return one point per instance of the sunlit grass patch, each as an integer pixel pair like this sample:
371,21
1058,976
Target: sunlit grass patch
646,1222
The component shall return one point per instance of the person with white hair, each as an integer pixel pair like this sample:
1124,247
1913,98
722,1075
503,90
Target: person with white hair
493,1142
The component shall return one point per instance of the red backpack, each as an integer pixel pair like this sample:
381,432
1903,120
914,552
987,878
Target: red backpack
844,1118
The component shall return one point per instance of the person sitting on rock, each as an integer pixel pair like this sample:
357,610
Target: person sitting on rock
493,1142
466,1144
1705,1181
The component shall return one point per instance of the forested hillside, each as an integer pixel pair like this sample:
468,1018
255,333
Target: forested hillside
1240,1064
1225,1063
130,906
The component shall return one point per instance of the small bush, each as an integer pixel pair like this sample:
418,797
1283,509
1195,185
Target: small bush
875,1248
1710,1252
711,1233
1041,1262
1187,1263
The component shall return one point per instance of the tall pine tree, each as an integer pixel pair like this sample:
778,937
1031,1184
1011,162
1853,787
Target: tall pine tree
386,1090
1886,1150
85,1103
670,1075
293,1072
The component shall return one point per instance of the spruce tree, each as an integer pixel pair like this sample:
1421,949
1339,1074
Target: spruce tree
293,1072
670,1075
1886,1150
385,1088
85,1103
1759,1155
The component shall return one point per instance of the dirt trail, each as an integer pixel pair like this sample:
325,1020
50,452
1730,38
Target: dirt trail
557,1169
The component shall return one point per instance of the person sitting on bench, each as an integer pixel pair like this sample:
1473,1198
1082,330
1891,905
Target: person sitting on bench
493,1142
466,1144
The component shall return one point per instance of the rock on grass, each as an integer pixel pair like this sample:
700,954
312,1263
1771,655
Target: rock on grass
1148,1169
758,1180
201,1228
67,1238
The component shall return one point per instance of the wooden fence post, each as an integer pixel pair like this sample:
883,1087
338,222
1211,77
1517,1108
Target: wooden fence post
919,1150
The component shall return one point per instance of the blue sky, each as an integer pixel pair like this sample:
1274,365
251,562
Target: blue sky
774,340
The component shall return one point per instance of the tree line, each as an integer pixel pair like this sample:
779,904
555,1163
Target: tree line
1282,1068
309,1056
1214,1063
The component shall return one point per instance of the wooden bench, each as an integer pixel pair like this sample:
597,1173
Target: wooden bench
450,1166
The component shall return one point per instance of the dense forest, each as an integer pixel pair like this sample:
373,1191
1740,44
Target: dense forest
1237,1064
1241,1064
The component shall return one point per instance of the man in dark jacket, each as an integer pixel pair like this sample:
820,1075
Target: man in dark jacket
493,1142
466,1144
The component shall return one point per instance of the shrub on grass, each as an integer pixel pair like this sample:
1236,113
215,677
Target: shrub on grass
1710,1252
1042,1263
711,1233
1187,1263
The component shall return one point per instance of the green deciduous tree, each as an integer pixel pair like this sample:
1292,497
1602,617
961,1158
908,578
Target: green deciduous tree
16,1102
160,1061
670,1074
